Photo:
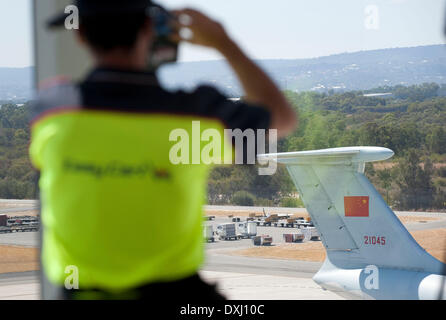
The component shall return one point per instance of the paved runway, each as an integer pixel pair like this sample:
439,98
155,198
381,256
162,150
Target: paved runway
19,202
287,268
19,209
242,286
426,226
238,277
22,239
19,286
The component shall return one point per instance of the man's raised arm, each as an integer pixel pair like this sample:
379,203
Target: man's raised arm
259,88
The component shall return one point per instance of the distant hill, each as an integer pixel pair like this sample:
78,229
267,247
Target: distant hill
348,71
15,83
342,72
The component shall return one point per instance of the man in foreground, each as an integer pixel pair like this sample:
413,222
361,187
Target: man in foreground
120,220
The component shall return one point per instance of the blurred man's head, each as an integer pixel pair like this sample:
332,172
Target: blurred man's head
107,32
115,31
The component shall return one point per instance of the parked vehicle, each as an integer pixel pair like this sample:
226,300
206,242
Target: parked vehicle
208,232
19,224
263,240
274,218
294,237
247,229
227,231
3,220
310,233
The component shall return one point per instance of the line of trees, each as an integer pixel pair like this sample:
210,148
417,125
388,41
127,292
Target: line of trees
413,183
17,177
411,122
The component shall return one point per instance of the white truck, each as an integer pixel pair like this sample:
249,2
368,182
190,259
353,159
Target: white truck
310,233
247,229
227,231
208,233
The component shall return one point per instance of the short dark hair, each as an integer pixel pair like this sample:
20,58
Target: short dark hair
107,32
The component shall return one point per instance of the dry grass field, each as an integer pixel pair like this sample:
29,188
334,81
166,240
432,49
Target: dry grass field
245,213
18,259
434,241
32,213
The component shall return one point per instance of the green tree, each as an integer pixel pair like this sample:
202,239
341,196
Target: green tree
243,198
385,179
436,140
289,202
416,190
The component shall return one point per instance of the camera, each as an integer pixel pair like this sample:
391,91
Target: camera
163,49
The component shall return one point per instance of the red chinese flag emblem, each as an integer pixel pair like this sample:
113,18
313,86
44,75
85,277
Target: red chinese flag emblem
356,206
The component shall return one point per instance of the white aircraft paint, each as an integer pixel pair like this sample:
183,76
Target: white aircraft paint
373,256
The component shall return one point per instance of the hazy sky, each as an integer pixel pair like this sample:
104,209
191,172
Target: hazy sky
279,29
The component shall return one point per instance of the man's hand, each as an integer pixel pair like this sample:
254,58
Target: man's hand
205,31
258,87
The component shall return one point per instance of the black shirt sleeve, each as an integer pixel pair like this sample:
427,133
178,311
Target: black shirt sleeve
235,115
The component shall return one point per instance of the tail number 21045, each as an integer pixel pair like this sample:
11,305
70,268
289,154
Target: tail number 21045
375,240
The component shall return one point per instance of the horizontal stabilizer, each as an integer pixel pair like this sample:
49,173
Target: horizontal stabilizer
336,155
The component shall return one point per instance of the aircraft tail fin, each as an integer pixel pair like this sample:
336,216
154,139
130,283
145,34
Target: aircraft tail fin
356,226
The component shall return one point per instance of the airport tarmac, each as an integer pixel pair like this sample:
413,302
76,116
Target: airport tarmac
31,239
237,278
242,286
275,232
12,202
20,286
21,239
244,278
11,211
